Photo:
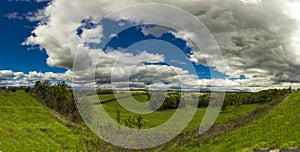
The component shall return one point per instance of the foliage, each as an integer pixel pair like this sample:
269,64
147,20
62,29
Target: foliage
237,99
170,101
134,122
105,92
204,100
258,97
57,97
130,121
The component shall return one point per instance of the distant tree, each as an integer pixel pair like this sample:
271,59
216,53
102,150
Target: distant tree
204,100
290,89
155,101
160,101
225,104
224,107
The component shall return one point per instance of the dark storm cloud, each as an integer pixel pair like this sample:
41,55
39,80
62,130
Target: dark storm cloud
254,36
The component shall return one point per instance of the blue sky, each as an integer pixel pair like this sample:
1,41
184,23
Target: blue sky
17,57
166,45
14,31
259,40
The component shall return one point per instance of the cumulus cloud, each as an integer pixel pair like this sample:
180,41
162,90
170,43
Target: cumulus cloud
58,35
6,75
257,38
11,78
253,38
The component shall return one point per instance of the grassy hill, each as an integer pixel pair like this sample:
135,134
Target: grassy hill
25,125
279,128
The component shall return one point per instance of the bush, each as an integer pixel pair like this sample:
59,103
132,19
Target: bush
131,121
57,97
172,101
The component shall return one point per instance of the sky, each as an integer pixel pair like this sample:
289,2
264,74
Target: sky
97,44
15,28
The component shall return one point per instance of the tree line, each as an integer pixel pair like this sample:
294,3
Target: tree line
58,97
175,100
161,101
237,99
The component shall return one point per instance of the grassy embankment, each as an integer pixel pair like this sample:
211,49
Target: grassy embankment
279,128
25,125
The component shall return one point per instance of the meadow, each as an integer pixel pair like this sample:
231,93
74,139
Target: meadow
159,117
28,125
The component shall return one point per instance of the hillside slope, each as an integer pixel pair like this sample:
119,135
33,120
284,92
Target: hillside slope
279,128
25,125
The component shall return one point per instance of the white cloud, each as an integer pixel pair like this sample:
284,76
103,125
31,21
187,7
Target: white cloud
19,75
58,34
11,78
257,38
14,15
6,75
93,35
113,36
253,2
39,15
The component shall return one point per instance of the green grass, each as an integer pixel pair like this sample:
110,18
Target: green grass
105,97
231,113
159,117
26,126
279,128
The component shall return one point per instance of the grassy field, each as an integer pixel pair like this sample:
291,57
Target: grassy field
157,118
25,125
279,128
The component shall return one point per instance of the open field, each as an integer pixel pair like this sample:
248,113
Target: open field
25,125
278,129
159,117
